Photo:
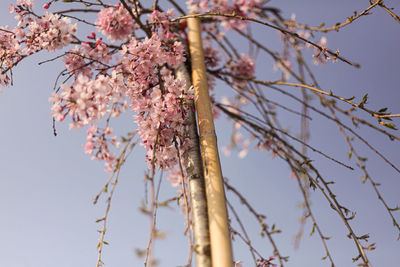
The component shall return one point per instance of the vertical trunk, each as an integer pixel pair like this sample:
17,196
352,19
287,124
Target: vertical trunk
197,194
221,250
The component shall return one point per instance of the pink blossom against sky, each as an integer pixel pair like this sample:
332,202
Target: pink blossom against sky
48,182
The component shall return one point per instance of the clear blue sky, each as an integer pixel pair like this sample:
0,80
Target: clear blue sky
47,182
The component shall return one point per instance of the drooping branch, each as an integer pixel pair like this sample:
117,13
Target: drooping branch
284,31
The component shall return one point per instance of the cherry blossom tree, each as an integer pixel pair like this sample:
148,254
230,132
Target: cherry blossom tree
136,57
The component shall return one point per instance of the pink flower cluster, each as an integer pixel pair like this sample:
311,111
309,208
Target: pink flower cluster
97,145
22,12
163,117
266,262
244,68
160,20
175,178
10,53
33,34
90,55
87,101
116,23
237,140
143,74
49,32
211,57
25,3
260,262
321,56
155,94
284,65
142,57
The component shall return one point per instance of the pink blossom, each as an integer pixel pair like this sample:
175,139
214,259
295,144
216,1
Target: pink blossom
144,76
211,57
249,7
321,56
90,55
86,101
226,150
175,177
11,9
197,6
25,3
284,65
10,53
244,69
97,145
49,32
116,23
159,111
266,262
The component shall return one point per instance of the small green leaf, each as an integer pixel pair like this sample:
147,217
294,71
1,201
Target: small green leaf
364,237
356,258
355,123
350,153
353,215
306,162
312,230
312,185
370,247
364,179
382,110
389,125
105,243
395,209
363,101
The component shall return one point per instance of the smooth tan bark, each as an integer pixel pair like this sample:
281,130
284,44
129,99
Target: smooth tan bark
221,250
195,178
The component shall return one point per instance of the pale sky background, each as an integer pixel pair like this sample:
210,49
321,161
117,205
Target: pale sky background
47,182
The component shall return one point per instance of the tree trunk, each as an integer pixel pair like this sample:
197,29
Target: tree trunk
194,171
221,250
